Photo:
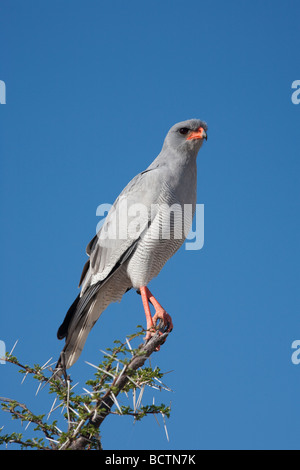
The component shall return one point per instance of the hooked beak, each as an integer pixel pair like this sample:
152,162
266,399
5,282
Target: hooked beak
198,134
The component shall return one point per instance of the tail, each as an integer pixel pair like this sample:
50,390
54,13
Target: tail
78,322
87,308
85,311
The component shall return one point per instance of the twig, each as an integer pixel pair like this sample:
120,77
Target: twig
104,404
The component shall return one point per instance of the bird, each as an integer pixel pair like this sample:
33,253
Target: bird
130,248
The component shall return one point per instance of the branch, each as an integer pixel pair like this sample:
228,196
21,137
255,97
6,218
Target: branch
85,414
104,405
26,415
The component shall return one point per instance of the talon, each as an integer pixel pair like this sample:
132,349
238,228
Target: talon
164,328
149,334
167,321
160,314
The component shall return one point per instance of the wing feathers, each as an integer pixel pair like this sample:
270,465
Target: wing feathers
84,271
81,304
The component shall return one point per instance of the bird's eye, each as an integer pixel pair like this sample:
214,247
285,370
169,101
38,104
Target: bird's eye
183,130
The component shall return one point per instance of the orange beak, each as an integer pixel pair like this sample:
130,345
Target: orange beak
198,134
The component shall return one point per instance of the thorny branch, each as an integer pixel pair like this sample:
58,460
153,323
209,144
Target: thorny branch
26,415
86,415
104,405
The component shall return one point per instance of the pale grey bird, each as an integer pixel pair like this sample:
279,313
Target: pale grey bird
138,237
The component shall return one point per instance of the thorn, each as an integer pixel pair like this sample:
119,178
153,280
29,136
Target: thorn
68,402
13,347
134,383
165,426
78,427
154,414
52,407
107,354
24,378
64,444
140,396
87,407
56,371
27,425
103,403
52,364
58,406
153,386
116,402
129,346
74,386
122,372
52,440
74,411
102,370
44,366
87,391
163,386
134,399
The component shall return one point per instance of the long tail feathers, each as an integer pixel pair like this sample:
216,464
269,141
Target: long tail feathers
76,326
87,308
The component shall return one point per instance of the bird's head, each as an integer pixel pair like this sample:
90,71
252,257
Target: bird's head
187,136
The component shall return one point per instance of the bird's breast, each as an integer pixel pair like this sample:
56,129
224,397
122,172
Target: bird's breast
170,224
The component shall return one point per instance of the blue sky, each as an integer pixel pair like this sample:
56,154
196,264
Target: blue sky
92,88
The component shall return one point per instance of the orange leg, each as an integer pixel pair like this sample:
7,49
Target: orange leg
160,312
150,324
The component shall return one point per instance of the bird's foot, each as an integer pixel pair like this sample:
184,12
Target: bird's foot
166,325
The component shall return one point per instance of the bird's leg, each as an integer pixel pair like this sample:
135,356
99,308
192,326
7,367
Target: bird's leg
150,324
160,312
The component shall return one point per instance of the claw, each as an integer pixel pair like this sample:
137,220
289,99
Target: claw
165,325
